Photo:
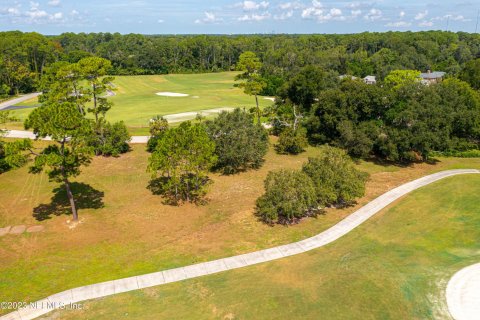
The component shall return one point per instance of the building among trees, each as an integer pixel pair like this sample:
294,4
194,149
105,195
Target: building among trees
432,77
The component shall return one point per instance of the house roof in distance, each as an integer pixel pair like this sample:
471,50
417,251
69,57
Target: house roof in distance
432,75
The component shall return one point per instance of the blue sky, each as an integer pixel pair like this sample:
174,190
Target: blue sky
231,17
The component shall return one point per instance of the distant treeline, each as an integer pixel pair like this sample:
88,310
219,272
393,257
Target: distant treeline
24,56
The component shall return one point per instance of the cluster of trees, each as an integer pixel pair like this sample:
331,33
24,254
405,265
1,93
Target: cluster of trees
23,56
400,119
86,85
328,180
182,157
72,114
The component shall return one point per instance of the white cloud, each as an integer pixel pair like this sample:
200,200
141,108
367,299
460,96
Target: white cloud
355,13
311,12
425,23
57,16
398,24
335,12
458,18
12,11
209,18
54,3
255,17
323,15
74,12
353,5
291,5
160,21
373,15
314,11
34,5
421,15
36,14
252,5
402,14
317,4
283,15
452,18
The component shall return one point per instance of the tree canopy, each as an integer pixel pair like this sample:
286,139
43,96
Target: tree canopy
336,180
239,143
180,163
65,125
289,196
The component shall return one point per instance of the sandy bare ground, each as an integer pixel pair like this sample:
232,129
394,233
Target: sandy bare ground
463,294
178,117
171,94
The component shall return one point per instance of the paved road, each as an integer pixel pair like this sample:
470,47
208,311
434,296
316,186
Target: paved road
15,101
171,118
197,270
463,294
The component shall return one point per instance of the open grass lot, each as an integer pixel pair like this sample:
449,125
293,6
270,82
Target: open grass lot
127,231
136,100
394,266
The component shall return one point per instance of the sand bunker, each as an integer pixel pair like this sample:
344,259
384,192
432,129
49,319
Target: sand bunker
269,98
171,94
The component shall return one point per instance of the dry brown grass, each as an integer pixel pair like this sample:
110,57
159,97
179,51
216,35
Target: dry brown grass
135,233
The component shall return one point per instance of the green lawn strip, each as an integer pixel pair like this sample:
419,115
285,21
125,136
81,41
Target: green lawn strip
394,266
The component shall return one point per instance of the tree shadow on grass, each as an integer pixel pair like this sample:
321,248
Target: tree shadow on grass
160,187
85,196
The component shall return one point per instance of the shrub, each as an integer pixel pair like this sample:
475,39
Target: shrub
114,142
158,126
292,141
240,144
180,163
336,180
474,153
289,196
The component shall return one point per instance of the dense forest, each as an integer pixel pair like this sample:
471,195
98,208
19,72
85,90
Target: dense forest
399,119
24,56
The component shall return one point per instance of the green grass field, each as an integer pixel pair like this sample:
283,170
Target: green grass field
394,266
126,231
136,100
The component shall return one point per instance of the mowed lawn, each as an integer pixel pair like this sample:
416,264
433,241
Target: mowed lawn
136,101
126,231
394,266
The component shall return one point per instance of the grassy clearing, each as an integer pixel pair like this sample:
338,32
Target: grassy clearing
134,233
136,100
395,266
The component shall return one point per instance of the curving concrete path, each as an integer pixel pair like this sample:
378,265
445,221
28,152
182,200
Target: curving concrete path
12,102
178,274
463,294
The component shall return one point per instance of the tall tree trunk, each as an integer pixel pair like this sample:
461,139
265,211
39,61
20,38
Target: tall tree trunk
258,111
95,103
70,198
67,183
295,122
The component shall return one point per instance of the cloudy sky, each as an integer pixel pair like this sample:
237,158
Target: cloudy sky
230,16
